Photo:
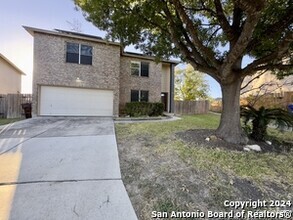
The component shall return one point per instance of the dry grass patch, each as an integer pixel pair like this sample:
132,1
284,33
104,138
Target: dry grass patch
162,172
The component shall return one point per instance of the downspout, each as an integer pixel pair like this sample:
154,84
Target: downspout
171,107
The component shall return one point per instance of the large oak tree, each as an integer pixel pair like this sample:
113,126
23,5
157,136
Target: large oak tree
212,35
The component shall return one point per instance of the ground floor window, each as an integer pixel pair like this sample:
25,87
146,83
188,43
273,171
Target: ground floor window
139,96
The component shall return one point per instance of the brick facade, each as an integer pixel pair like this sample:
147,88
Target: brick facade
50,67
129,82
110,70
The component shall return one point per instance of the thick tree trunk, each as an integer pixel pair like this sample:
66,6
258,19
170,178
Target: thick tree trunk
230,128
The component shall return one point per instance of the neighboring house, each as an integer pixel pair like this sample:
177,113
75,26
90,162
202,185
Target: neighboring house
266,90
267,83
84,75
10,77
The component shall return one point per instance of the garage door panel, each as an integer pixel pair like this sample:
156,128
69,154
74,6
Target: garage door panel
75,101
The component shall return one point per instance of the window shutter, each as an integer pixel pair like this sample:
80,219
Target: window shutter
144,69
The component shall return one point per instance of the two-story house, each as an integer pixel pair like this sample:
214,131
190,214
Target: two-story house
83,75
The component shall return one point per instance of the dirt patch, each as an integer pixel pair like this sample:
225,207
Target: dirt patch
157,181
251,191
199,136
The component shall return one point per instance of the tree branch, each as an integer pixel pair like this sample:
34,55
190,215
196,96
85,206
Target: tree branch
203,8
283,22
274,67
263,90
237,15
213,34
198,9
223,21
184,49
192,30
250,81
239,48
194,51
251,6
264,62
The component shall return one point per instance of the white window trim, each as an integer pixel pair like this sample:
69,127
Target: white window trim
79,50
79,53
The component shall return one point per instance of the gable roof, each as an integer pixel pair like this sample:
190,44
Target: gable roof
75,35
81,36
78,34
11,64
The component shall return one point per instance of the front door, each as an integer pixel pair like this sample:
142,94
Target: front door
164,99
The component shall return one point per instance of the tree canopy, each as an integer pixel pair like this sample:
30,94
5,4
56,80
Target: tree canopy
212,35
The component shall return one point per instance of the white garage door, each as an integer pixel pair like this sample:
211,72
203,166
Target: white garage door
64,101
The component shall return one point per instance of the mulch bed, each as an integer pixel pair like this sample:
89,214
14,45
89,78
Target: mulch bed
198,137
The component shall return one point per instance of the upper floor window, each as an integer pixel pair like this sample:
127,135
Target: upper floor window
79,53
139,68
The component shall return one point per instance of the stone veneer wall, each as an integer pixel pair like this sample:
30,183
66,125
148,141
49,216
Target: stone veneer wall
50,67
129,82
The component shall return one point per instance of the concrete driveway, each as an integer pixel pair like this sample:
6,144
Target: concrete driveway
61,168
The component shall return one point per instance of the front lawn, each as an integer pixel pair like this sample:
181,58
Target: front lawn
4,121
164,172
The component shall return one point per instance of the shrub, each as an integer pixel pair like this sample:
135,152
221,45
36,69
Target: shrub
136,109
157,109
262,117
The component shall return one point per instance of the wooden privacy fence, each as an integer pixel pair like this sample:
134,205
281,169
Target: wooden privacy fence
192,107
10,105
